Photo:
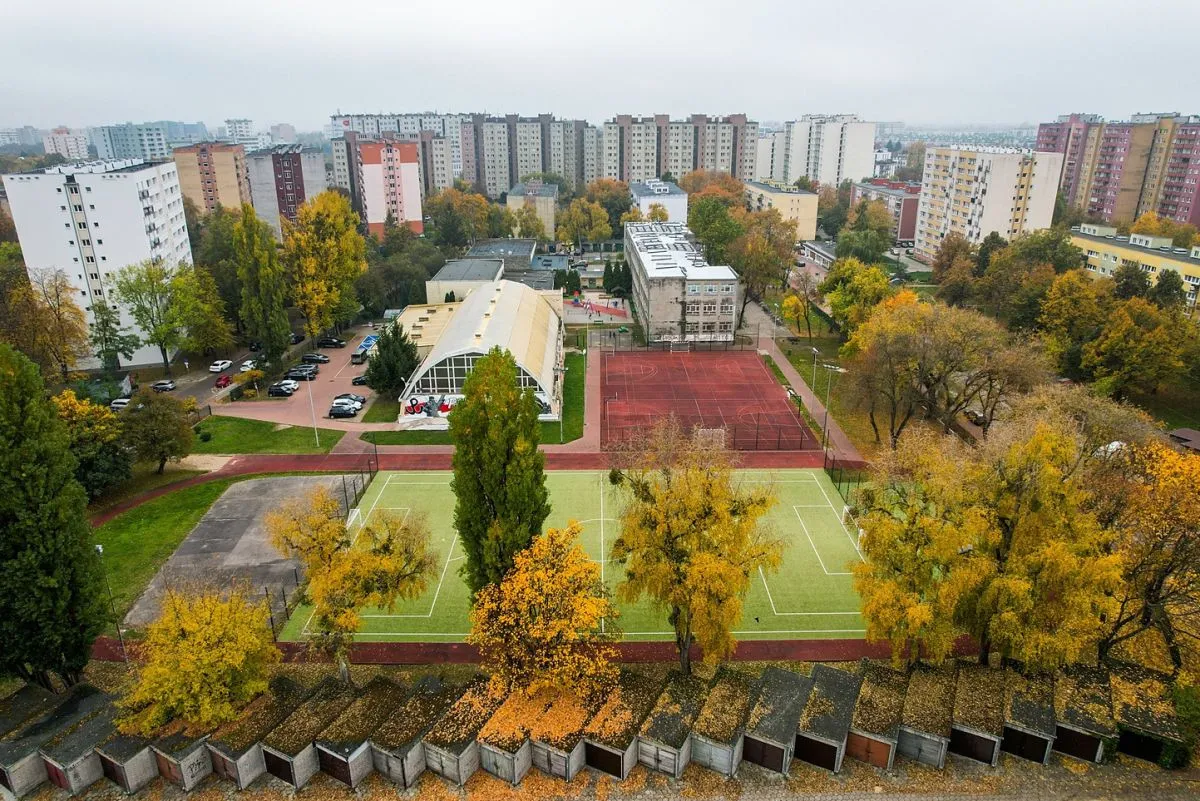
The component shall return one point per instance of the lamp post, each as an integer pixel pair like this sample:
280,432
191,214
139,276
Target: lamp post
832,368
112,604
313,412
562,400
816,353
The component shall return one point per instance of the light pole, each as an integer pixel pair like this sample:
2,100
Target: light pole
562,400
313,412
832,368
816,353
112,604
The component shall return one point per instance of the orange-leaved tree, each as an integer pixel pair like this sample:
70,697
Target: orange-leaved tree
549,624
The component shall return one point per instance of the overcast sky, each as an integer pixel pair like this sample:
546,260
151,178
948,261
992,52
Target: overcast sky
921,61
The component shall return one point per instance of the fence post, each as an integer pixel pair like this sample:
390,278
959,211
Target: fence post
270,612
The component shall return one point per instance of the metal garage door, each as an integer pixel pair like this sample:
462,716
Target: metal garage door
918,747
337,768
765,754
56,775
821,754
1075,743
112,771
1025,745
279,767
972,746
1140,746
602,759
656,758
866,749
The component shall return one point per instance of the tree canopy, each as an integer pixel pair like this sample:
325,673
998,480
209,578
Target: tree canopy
324,254
262,305
394,360
158,427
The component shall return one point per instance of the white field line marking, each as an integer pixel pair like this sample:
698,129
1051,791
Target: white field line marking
602,559
363,635
775,611
840,516
436,593
814,547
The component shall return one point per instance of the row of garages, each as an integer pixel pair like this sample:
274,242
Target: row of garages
866,711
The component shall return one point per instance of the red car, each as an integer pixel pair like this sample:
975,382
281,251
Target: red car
223,381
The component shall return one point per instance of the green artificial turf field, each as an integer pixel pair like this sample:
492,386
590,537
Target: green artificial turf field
810,596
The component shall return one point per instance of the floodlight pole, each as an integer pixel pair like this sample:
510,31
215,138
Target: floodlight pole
816,353
313,412
832,368
112,604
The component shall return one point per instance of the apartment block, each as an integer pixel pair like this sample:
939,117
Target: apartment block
542,196
493,157
1067,136
902,199
454,128
91,220
437,163
1178,196
213,174
1106,251
828,149
147,141
71,145
772,151
283,177
24,135
565,154
639,148
526,149
593,154
389,183
663,193
679,296
283,133
975,191
798,205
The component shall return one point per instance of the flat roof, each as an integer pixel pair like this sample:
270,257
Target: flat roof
886,190
283,149
667,251
535,189
470,270
650,189
500,248
1172,253
776,190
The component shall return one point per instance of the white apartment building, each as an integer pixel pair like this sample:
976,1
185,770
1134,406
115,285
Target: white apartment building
975,191
668,195
241,131
680,149
448,126
678,295
71,145
91,220
437,163
593,153
772,151
828,149
494,166
565,152
147,141
528,148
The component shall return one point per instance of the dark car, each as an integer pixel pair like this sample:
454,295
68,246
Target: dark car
301,375
359,381
166,385
296,339
331,342
279,391
351,396
342,411
976,417
255,346
314,358
223,381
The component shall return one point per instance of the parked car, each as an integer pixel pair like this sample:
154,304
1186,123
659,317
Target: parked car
248,365
359,381
220,365
355,405
223,381
290,384
975,416
314,358
301,375
331,342
255,347
296,339
118,404
166,385
351,396
342,411
278,390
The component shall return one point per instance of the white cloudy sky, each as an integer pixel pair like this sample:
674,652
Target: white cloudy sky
921,61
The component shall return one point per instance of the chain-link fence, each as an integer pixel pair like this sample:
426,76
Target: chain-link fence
615,340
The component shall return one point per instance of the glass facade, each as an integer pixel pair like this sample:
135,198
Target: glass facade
447,376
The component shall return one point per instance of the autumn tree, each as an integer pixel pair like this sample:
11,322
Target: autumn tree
758,266
549,623
1183,235
691,537
458,218
148,291
991,243
200,312
583,220
1073,314
501,222
51,598
324,254
1169,292
110,340
204,658
852,290
158,427
393,362
262,300
216,251
957,285
61,325
1137,350
954,246
94,439
530,225
715,184
499,479
716,229
1129,281
613,196
798,306
634,215
657,213
387,560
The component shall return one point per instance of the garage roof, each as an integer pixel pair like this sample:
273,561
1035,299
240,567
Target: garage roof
670,722
929,704
723,716
782,696
979,699
880,703
830,706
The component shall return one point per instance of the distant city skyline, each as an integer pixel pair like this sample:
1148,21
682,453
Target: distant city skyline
930,62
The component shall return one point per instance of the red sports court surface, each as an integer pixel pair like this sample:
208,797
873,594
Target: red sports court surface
733,390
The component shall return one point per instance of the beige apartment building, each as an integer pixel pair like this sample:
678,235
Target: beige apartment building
792,204
974,191
542,196
212,174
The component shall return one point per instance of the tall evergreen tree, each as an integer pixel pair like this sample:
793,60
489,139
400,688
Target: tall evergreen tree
51,602
393,362
263,308
110,340
499,474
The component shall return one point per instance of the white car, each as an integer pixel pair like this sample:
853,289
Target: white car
220,365
289,383
248,365
118,404
353,404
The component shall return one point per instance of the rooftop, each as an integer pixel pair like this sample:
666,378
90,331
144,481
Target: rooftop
1181,255
653,187
782,696
534,189
830,706
502,248
667,251
283,150
778,190
425,324
894,191
470,270
95,167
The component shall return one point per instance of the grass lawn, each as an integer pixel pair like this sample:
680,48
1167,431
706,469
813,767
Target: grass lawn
572,425
137,542
235,435
382,410
145,478
1176,405
812,595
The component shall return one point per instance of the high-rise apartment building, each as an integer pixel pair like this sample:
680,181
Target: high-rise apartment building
902,199
389,183
772,148
281,178
1117,171
213,174
493,157
592,159
437,163
91,220
640,148
565,153
975,191
828,149
24,135
71,145
240,130
147,141
452,127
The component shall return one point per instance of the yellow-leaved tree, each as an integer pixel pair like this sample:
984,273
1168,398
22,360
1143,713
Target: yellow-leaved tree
658,213
691,537
206,656
324,255
549,624
384,561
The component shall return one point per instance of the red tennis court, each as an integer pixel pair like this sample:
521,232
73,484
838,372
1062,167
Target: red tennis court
731,390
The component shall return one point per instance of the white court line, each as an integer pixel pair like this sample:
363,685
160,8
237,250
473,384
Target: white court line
602,554
840,516
814,547
437,592
362,635
775,611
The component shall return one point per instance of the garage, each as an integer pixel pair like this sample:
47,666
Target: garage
235,748
815,752
1145,714
602,759
665,741
928,712
290,750
974,746
770,738
718,732
397,749
1139,746
278,767
1029,717
979,709
1025,745
451,746
825,722
610,738
182,758
1078,744
922,747
875,726
344,748
1083,713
